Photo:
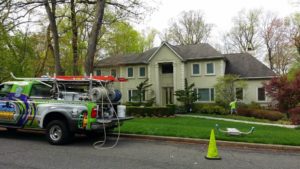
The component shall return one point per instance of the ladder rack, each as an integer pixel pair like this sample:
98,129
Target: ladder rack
75,78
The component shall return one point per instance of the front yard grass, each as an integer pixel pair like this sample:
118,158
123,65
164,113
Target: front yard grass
237,117
189,127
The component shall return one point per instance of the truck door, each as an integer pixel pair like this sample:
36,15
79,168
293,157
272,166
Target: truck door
38,94
8,108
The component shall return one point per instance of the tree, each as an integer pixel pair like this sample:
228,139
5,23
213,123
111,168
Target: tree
187,95
226,87
296,33
142,88
190,28
51,13
123,9
115,41
74,37
17,54
284,91
243,36
277,38
95,17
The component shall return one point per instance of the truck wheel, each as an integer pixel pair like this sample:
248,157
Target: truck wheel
58,133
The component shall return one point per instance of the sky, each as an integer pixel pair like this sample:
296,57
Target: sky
217,12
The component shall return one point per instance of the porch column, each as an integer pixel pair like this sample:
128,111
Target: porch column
157,84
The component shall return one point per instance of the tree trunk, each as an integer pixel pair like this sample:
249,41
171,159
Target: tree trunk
53,26
93,37
74,38
48,48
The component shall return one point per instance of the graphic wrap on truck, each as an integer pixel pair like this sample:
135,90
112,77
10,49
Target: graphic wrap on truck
17,110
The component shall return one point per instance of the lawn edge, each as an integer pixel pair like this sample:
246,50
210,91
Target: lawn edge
285,148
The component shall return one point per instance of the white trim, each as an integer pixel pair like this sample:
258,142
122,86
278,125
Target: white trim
210,74
157,90
127,73
260,101
192,69
139,72
164,43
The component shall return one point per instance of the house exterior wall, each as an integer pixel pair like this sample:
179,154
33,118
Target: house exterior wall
204,80
251,92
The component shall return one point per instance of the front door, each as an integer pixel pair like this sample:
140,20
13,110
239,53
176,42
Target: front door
168,95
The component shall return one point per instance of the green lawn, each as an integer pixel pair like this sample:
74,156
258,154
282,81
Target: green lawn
200,128
236,117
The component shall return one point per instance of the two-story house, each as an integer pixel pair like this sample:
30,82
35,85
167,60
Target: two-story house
167,66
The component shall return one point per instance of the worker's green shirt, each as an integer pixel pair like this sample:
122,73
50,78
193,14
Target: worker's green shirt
233,105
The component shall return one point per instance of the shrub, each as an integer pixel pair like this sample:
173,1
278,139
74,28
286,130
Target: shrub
295,115
209,109
147,103
149,111
260,113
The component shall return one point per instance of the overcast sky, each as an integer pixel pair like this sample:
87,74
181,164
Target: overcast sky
217,12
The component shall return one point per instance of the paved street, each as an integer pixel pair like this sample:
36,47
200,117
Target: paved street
32,151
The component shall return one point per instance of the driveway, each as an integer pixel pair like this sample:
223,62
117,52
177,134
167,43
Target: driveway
31,151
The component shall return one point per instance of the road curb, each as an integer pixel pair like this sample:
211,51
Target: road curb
284,148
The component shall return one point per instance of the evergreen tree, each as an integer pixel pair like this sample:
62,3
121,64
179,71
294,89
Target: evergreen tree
187,96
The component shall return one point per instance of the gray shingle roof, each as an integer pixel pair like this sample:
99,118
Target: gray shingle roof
187,52
246,66
194,52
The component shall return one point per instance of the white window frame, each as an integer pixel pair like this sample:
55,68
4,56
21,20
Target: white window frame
192,69
127,73
209,94
140,71
131,91
257,95
214,68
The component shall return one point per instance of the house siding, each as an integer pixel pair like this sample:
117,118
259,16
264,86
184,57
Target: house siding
203,80
250,93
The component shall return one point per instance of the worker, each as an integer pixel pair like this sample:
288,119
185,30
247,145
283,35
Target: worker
233,106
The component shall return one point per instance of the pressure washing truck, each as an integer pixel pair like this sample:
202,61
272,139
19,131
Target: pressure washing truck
61,105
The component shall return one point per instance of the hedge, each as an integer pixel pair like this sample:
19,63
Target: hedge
209,109
260,113
150,111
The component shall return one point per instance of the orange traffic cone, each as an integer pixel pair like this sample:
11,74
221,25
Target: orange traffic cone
212,152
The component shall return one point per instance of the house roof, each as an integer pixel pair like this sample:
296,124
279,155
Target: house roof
246,66
186,52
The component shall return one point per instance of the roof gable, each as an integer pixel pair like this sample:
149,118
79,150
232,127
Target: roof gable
159,48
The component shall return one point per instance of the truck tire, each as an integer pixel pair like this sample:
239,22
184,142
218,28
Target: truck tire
58,133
